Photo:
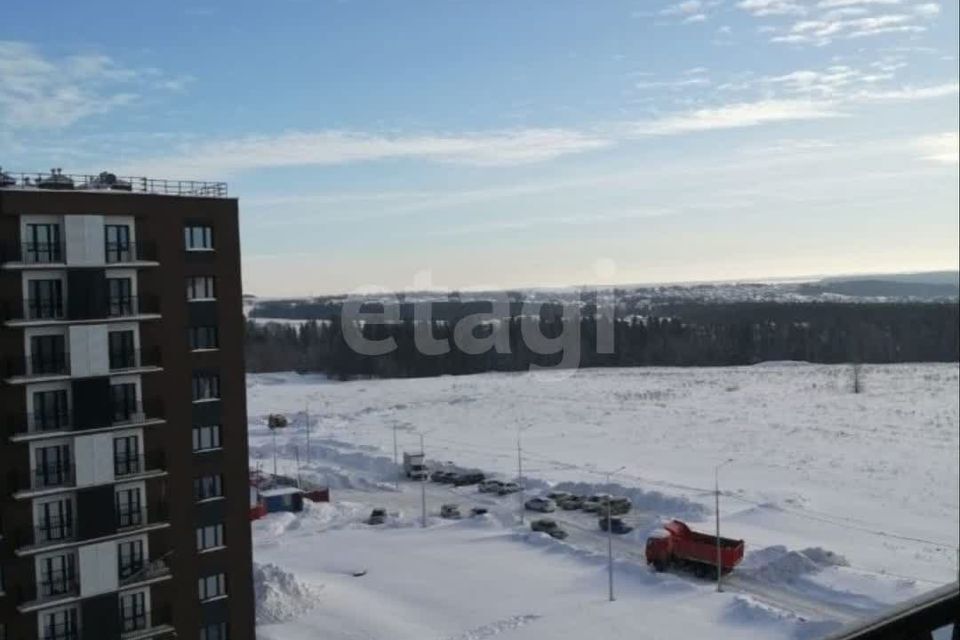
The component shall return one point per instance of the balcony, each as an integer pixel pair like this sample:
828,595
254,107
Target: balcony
58,584
52,311
126,466
123,359
67,530
39,254
52,476
125,252
143,571
145,624
59,422
37,366
34,253
61,631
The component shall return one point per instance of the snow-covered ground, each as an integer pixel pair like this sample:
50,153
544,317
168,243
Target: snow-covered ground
847,502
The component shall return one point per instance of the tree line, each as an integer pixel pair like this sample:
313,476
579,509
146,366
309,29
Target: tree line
685,334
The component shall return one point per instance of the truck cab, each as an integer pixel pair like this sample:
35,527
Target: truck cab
414,467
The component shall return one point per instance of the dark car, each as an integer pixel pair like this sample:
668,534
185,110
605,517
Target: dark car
571,503
549,527
617,506
377,516
437,475
468,478
445,477
617,525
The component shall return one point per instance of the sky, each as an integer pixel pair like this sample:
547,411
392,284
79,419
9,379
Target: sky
388,145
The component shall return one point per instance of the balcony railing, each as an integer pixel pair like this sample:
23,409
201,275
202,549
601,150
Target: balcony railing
108,181
123,306
52,531
149,570
58,583
39,365
59,530
136,464
60,631
34,253
44,309
132,622
133,359
115,252
50,421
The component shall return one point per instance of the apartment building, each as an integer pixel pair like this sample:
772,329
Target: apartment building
123,445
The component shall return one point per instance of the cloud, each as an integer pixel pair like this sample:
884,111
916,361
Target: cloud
942,148
772,7
336,147
37,91
909,93
735,116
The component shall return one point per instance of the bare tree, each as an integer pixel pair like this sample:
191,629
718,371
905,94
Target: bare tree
857,374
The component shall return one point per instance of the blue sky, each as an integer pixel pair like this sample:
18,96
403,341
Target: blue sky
459,144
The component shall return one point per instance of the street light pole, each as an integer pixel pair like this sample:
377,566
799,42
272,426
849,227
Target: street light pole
423,491
716,491
396,464
610,538
307,412
520,473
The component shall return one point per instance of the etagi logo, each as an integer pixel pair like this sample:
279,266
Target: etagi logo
479,333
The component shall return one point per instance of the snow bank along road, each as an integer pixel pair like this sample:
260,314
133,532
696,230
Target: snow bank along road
847,501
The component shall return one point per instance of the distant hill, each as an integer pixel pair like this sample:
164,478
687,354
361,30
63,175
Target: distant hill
923,286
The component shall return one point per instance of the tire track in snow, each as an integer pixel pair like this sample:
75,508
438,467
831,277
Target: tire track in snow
495,628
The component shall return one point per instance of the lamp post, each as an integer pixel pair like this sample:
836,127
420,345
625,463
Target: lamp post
423,489
522,492
610,537
716,485
396,463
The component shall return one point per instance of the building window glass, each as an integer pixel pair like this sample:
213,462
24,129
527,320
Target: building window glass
206,386
62,624
198,237
203,338
200,288
130,558
122,353
124,400
54,520
133,611
118,245
44,299
212,586
48,354
128,507
206,487
215,631
126,456
206,437
58,575
120,297
52,466
42,244
50,410
209,537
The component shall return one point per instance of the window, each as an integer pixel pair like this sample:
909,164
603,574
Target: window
44,299
128,507
42,244
209,537
124,399
212,586
48,354
203,338
130,558
54,520
126,456
206,438
198,238
58,575
206,386
52,466
120,294
133,611
123,355
200,288
118,245
62,624
50,410
214,631
206,487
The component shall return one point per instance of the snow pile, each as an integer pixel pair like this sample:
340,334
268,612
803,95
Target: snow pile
279,595
778,565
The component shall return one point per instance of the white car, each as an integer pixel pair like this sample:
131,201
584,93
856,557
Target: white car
543,505
508,488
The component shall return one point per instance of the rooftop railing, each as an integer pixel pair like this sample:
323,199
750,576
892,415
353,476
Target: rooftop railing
56,180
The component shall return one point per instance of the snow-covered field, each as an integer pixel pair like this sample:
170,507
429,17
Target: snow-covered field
847,502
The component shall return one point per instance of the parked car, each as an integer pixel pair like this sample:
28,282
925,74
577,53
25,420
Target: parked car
549,527
490,486
468,478
478,511
446,477
558,496
437,475
508,488
571,503
377,516
450,511
543,505
595,502
617,525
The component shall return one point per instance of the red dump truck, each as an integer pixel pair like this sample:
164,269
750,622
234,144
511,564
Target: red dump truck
676,544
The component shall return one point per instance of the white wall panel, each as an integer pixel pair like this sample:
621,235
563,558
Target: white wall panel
84,239
93,457
98,568
89,355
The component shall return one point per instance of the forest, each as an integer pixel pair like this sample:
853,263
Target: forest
683,334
